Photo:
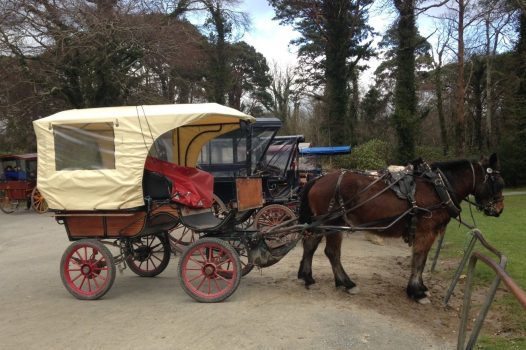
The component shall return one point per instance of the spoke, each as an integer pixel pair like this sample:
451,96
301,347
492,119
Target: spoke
160,244
196,277
78,254
217,285
106,268
228,260
227,281
89,284
76,278
197,261
209,286
156,257
202,255
153,263
83,280
96,284
149,241
200,284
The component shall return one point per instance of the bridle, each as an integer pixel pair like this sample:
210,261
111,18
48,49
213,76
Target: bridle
489,175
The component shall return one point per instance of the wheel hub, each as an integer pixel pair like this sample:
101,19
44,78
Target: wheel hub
86,270
209,270
142,253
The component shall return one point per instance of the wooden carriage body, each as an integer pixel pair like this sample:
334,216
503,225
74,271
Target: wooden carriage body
18,185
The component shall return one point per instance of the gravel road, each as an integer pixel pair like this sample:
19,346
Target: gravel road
270,309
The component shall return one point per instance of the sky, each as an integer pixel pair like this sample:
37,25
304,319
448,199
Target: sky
271,39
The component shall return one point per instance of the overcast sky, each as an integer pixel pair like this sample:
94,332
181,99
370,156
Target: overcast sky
272,39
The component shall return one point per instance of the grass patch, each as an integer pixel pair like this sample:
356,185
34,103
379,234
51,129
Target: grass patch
507,235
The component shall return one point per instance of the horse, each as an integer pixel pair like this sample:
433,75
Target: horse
360,199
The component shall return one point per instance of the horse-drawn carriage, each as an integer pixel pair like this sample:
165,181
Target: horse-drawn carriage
109,185
18,183
253,150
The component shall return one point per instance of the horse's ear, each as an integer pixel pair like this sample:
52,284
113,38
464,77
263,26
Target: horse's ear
494,162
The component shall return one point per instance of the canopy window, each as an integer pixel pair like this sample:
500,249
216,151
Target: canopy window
84,146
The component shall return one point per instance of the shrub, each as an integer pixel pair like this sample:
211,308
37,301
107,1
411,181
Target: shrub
373,154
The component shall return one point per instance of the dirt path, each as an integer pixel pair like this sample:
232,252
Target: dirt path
270,310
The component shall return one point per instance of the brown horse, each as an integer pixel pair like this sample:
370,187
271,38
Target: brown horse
366,200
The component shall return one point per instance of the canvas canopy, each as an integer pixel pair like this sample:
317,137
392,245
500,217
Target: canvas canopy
93,159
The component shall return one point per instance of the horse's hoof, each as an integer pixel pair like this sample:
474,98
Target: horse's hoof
427,293
424,301
353,291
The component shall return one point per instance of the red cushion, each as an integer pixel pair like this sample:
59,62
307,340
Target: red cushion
190,186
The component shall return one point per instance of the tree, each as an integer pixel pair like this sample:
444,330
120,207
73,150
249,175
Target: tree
407,53
284,96
332,43
249,76
84,53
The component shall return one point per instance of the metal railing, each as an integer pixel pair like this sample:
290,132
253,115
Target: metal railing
501,275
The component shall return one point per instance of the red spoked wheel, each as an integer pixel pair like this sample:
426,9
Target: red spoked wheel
87,269
272,215
150,255
209,270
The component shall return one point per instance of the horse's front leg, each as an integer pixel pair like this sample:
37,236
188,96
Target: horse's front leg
333,251
310,244
416,289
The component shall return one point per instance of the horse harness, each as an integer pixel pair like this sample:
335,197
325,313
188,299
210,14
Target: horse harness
403,184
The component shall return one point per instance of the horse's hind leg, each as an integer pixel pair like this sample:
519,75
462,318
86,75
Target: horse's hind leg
310,244
333,252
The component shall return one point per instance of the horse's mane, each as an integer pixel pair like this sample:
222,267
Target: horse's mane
451,167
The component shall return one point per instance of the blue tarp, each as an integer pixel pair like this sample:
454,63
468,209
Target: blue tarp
325,151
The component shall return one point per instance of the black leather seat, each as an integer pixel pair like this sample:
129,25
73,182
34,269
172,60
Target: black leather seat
156,186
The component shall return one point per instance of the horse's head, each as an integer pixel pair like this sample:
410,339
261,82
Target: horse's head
488,192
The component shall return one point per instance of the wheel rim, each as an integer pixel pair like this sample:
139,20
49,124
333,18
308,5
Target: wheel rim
180,237
86,270
209,270
148,253
38,202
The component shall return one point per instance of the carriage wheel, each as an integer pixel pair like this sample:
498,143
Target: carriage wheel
209,270
180,237
149,256
6,204
272,215
87,269
241,250
38,202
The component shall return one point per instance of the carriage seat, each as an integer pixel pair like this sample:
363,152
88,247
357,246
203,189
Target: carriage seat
156,186
204,220
190,187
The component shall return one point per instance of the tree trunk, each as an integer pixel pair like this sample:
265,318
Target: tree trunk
460,127
405,118
336,72
440,108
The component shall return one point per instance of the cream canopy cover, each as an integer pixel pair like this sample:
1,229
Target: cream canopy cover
135,128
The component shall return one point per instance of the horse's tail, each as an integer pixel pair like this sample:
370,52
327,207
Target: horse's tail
305,214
